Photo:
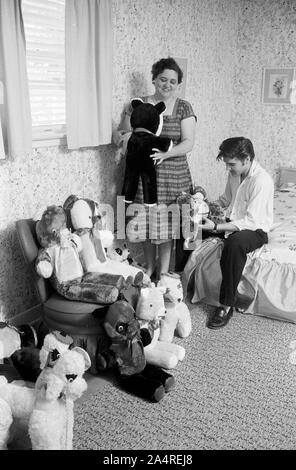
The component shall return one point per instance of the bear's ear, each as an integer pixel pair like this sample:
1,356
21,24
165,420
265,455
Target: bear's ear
136,102
160,107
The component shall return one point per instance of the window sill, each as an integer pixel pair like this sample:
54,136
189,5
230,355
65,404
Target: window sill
54,142
44,136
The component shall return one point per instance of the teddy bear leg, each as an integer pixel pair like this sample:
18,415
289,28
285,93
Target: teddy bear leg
6,420
161,357
171,349
138,280
143,387
184,325
167,380
46,429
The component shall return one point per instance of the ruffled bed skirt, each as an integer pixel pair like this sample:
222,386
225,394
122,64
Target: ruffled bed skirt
271,284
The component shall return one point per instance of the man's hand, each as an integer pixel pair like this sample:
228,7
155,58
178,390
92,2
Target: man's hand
207,224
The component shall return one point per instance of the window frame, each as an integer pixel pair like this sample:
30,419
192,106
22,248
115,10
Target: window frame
48,134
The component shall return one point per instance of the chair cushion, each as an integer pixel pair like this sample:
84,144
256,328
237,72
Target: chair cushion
74,317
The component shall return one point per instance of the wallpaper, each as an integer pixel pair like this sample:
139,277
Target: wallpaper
226,44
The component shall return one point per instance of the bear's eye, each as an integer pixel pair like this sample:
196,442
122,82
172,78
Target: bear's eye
121,328
151,305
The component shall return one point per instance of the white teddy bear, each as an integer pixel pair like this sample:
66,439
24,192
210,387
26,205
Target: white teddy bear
150,312
177,319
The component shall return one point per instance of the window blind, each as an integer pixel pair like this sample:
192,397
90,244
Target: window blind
44,22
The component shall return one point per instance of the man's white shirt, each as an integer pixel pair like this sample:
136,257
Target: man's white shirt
250,204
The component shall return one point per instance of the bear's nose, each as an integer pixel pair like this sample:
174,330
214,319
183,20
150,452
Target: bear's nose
71,377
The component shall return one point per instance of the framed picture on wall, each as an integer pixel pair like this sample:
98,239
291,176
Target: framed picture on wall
182,62
277,85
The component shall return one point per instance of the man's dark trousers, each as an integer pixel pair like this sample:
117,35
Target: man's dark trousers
233,260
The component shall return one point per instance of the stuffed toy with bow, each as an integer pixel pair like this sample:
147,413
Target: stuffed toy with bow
48,407
125,352
146,122
151,310
82,217
59,261
177,320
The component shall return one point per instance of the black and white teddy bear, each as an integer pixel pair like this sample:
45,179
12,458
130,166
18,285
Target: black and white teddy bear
146,122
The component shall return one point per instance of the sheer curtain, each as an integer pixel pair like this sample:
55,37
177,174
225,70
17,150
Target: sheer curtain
88,72
13,73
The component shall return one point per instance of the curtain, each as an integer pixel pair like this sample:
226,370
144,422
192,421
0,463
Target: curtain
13,73
88,45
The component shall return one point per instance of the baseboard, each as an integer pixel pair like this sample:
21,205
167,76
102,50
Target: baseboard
31,316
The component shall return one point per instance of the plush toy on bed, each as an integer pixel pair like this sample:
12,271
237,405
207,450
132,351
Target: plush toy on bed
125,352
177,319
82,216
59,260
151,310
146,122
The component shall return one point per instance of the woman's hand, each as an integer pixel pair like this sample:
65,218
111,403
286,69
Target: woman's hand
159,156
207,224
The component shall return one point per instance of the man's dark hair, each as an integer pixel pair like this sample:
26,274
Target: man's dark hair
164,64
236,147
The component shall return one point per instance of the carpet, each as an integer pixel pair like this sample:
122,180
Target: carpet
235,390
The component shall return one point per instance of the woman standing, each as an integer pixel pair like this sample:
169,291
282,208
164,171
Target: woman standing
173,175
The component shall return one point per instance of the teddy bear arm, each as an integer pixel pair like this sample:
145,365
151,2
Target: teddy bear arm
146,336
106,360
43,264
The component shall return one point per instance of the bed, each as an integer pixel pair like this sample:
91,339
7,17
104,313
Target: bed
268,281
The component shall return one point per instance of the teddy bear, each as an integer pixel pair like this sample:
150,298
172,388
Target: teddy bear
177,319
48,407
151,309
59,260
82,216
146,122
125,353
194,207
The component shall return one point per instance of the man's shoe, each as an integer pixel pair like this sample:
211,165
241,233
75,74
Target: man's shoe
220,318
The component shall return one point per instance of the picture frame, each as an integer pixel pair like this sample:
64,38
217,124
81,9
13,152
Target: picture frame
277,85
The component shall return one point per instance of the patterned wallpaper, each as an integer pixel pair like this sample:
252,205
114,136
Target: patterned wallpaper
226,43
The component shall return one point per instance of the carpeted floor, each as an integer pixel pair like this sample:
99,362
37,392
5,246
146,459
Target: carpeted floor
235,389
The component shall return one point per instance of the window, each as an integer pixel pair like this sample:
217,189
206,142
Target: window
44,22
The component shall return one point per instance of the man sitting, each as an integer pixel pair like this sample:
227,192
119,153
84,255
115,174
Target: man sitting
248,198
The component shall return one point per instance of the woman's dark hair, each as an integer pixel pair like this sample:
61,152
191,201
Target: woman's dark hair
236,147
169,63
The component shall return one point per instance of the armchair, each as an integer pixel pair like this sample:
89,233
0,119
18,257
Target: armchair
81,320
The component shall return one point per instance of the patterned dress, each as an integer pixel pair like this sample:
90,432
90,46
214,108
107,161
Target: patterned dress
157,223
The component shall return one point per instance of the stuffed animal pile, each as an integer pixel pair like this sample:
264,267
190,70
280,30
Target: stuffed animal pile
83,218
146,122
48,408
59,260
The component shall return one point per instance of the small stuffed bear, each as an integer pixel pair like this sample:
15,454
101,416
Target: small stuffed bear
177,319
82,217
197,208
125,352
151,310
59,261
146,122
